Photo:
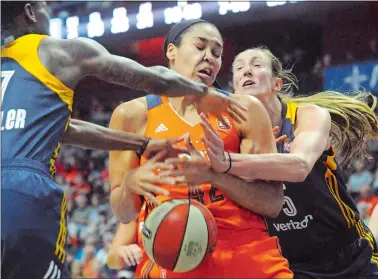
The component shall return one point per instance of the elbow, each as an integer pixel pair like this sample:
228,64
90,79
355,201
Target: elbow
122,216
302,170
128,218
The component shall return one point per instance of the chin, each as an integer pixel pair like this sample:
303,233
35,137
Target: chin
205,81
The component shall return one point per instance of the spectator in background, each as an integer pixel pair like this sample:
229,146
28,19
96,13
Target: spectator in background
368,198
360,177
80,217
375,182
90,264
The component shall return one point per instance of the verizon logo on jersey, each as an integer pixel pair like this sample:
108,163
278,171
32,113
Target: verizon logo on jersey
293,225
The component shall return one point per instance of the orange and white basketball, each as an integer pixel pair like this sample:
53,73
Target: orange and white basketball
179,234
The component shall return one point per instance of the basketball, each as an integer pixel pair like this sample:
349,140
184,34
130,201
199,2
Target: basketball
179,234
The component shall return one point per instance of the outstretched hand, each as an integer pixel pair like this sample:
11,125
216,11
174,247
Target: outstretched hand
193,171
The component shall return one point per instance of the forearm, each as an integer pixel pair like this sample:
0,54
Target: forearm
89,135
124,205
276,167
263,197
128,73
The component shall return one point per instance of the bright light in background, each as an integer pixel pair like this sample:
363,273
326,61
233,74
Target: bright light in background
96,26
280,3
145,17
275,3
120,21
56,25
235,7
183,10
72,24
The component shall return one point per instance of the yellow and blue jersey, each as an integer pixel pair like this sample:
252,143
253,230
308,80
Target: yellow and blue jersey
36,106
318,215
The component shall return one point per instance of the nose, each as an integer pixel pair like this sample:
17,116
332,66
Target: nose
209,57
247,71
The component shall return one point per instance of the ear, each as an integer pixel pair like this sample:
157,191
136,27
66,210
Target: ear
171,52
29,12
277,85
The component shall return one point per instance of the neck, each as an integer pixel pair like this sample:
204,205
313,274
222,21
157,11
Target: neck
274,108
182,104
8,36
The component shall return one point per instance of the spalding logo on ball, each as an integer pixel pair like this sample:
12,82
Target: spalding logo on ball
179,234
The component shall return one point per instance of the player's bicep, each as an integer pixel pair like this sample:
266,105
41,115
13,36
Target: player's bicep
120,162
312,137
257,134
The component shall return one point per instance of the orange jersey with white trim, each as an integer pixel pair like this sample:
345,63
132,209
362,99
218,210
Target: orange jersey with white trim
164,122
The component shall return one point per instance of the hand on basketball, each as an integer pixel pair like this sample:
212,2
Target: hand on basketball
214,146
192,171
156,145
143,180
279,139
131,254
215,103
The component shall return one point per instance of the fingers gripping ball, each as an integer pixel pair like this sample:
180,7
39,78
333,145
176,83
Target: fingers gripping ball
179,234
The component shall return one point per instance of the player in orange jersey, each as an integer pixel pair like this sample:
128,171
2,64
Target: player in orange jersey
244,249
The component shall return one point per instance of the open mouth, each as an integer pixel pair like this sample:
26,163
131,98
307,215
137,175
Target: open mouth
205,72
248,83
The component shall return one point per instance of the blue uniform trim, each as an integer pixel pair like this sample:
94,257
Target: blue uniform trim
153,101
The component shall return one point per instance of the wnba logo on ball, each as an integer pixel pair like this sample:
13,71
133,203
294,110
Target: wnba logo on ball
146,232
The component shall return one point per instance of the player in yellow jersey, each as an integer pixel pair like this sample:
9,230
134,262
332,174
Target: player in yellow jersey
319,227
38,76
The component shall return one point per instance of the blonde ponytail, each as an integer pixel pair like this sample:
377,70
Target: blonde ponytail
353,121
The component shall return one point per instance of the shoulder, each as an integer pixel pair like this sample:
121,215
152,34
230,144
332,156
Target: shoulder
75,50
257,118
250,102
130,116
313,112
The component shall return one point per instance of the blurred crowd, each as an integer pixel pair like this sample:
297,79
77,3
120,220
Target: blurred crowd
84,176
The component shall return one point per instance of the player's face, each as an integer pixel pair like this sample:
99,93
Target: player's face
252,74
199,56
42,17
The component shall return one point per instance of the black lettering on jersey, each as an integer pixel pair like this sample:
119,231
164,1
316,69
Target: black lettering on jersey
213,196
196,193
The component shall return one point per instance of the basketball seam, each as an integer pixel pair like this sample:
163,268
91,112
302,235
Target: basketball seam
157,229
208,237
182,240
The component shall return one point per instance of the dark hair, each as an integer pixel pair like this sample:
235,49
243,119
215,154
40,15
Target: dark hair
10,10
177,32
